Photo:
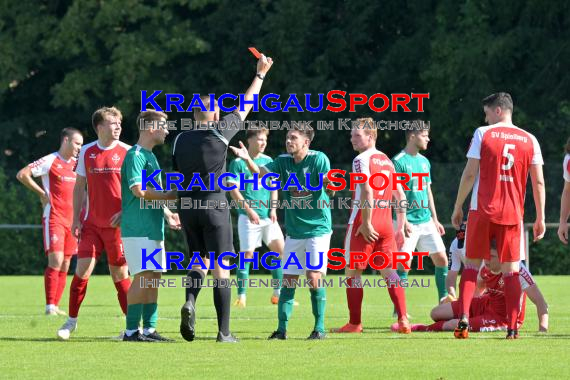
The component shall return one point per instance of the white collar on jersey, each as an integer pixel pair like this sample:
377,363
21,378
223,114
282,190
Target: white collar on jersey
113,144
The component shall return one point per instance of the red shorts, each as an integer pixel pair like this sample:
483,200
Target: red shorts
481,317
58,238
94,240
385,243
481,232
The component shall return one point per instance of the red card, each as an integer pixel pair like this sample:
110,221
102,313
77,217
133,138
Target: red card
255,53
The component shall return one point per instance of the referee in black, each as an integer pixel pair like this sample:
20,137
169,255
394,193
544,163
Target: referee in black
203,150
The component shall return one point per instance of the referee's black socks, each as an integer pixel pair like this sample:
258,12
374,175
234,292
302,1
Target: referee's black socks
194,285
222,301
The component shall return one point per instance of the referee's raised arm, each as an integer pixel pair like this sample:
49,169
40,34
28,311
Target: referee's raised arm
263,66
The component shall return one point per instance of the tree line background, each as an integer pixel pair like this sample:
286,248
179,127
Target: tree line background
61,60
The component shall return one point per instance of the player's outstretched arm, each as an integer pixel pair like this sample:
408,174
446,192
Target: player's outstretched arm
79,193
25,177
564,213
242,153
263,66
465,187
539,195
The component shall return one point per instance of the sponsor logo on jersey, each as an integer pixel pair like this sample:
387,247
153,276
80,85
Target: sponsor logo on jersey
93,156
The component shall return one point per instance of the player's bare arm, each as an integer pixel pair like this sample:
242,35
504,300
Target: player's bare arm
173,219
151,194
535,295
263,66
401,218
451,283
251,214
274,196
366,229
242,153
539,195
431,202
564,213
25,177
79,195
465,187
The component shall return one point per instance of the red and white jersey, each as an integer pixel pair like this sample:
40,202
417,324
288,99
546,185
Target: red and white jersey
371,162
102,168
566,169
495,286
505,153
58,180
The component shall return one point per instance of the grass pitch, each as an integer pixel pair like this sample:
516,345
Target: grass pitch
29,349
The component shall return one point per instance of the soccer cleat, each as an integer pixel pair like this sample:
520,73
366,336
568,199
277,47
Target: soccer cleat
137,337
68,327
230,338
462,329
348,328
278,335
188,321
512,334
51,312
317,335
159,338
274,299
404,326
240,302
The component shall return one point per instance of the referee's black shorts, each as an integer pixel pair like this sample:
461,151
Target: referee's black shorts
208,230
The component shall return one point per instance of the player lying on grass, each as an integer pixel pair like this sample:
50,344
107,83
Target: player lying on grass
489,312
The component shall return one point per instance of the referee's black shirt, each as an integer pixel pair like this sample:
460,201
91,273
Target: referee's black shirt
204,151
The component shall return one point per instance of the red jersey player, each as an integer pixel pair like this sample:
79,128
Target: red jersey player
488,312
499,161
565,199
370,229
56,171
98,168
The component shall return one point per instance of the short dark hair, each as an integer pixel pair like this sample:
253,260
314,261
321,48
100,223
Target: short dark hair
499,99
68,132
417,131
567,147
150,115
255,132
306,130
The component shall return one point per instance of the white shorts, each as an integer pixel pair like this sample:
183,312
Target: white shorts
251,235
424,238
133,247
317,248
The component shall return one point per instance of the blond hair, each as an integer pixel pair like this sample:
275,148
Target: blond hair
100,115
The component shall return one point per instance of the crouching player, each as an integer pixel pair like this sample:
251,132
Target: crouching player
143,229
489,312
371,230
